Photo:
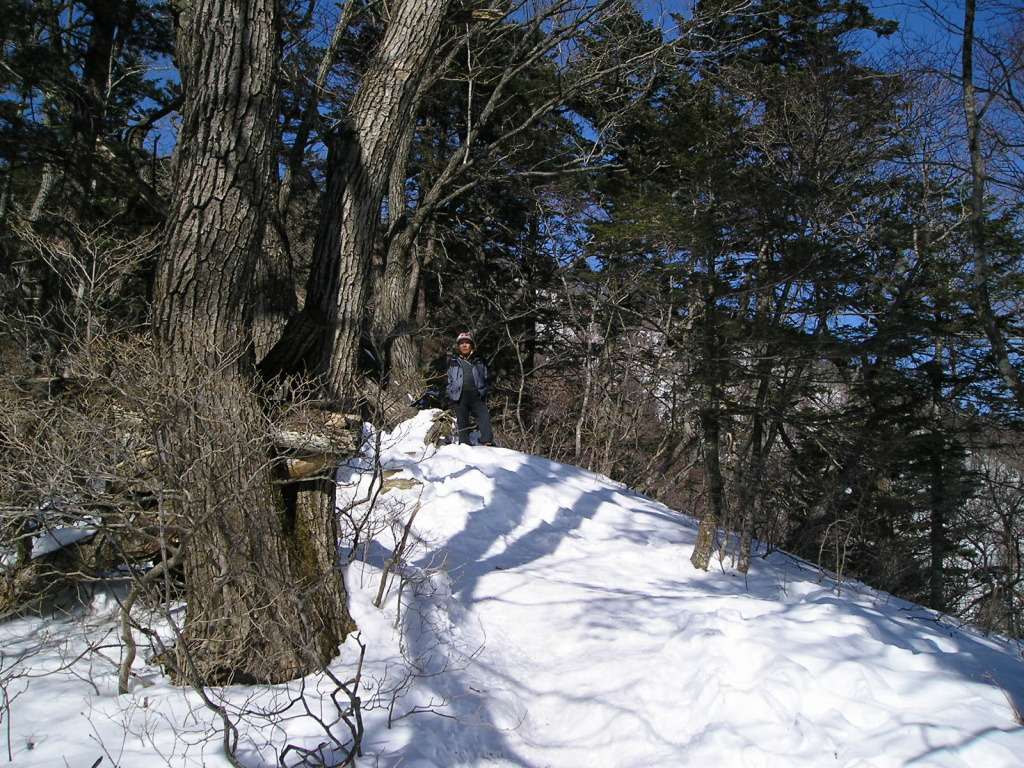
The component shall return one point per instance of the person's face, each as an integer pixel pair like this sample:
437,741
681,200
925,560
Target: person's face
465,348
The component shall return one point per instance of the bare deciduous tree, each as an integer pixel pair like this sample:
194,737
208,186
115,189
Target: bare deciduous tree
266,597
324,338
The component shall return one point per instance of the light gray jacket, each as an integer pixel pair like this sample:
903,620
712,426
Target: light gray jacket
457,377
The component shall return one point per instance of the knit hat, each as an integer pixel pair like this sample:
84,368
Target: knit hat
464,337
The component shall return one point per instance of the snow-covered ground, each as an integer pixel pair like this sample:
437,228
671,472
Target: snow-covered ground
547,617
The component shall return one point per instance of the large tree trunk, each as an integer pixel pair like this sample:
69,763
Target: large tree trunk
394,329
325,338
396,287
266,601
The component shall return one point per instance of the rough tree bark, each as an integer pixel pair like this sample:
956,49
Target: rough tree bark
266,601
325,337
397,285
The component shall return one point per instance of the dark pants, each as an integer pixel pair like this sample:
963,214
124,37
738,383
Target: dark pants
472,403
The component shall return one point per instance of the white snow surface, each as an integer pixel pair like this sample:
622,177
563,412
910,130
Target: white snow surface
546,617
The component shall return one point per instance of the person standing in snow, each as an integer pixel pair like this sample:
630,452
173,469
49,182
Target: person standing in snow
467,388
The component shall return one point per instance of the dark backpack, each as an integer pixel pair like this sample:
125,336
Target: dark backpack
430,399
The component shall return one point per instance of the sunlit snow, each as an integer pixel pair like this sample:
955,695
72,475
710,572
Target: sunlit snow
545,616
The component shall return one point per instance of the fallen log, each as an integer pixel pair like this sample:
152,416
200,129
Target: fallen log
316,441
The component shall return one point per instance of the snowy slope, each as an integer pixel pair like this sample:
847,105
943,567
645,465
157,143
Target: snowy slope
600,645
547,616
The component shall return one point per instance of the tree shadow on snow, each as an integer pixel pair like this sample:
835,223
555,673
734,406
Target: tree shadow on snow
472,552
467,726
